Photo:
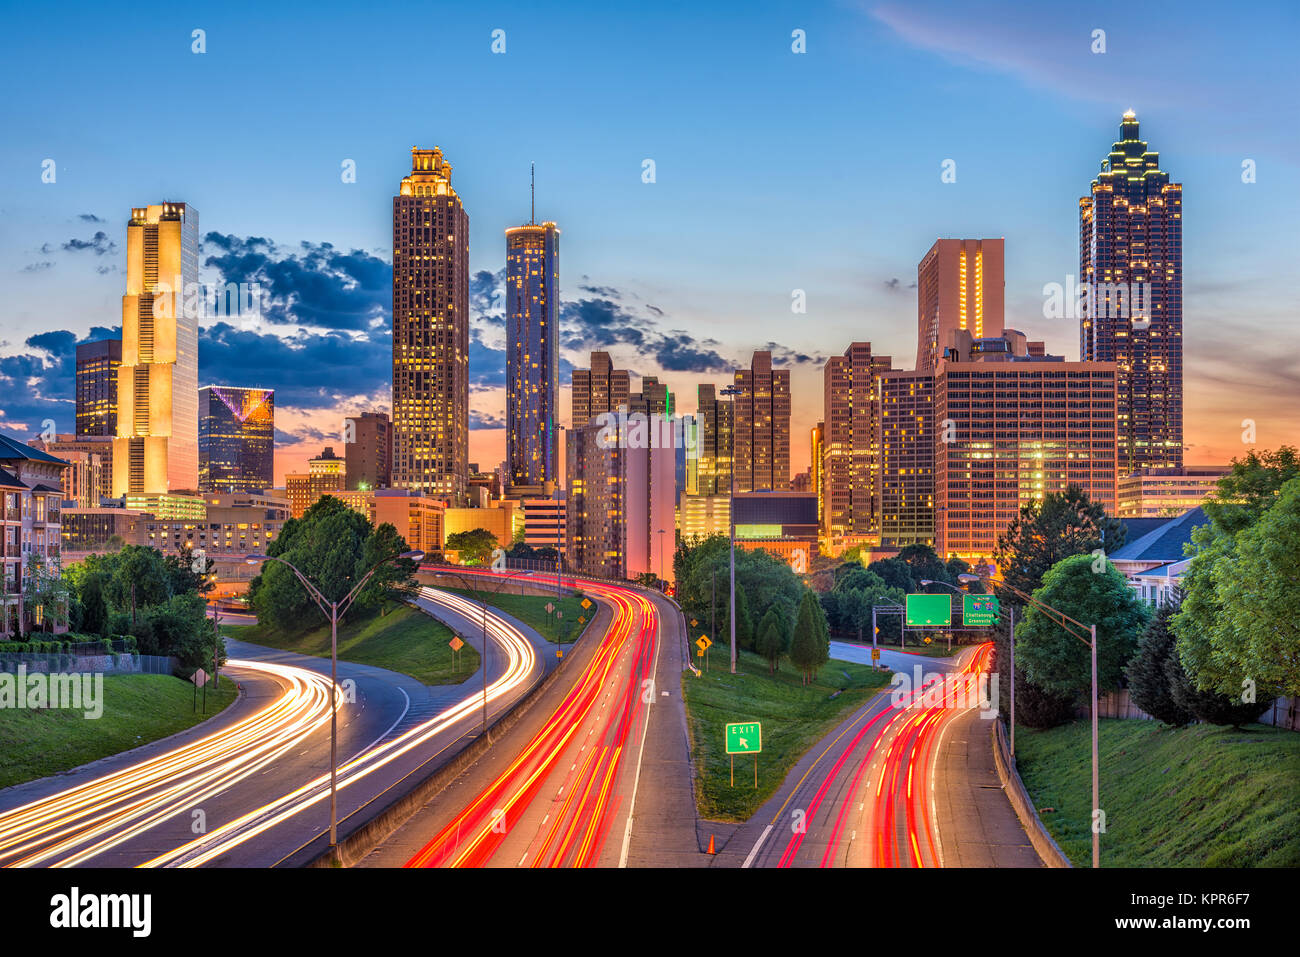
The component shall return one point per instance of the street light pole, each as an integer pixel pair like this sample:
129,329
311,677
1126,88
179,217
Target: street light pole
334,609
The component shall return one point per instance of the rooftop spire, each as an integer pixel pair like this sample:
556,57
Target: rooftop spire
532,194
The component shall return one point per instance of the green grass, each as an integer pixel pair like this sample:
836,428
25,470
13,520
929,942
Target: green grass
405,640
1201,796
531,610
137,709
793,719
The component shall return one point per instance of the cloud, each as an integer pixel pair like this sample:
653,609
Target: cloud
896,285
38,266
90,218
99,244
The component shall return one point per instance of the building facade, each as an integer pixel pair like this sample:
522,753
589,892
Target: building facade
1131,276
430,331
714,436
97,365
368,450
326,474
1166,493
156,448
761,430
532,353
236,439
906,475
31,496
851,449
599,389
959,285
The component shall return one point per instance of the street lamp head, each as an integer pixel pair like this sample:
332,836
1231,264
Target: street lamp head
255,559
967,577
926,581
414,555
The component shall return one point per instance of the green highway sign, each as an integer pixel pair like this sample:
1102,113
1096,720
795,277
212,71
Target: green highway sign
745,738
928,611
979,611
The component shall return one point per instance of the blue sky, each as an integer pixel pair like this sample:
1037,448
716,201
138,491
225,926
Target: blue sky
775,171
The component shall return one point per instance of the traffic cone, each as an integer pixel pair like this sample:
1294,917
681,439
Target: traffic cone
712,849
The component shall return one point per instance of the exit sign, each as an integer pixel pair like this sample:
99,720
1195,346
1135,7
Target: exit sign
745,738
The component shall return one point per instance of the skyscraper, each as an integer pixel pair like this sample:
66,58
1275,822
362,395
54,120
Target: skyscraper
959,285
602,388
532,353
236,439
851,452
714,419
762,426
368,450
1131,268
906,428
430,331
97,365
156,449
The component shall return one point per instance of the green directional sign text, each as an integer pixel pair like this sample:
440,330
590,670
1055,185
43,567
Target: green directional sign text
928,611
979,611
745,738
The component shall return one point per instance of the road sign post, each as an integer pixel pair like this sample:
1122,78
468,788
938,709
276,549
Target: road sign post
744,737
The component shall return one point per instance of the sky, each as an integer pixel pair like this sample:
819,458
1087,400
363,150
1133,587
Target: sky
774,172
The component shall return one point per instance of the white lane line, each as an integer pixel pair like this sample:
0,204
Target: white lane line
757,844
627,832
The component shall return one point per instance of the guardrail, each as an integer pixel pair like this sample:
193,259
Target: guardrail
1048,850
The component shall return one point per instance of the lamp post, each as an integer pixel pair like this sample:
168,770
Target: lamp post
732,391
1070,625
334,610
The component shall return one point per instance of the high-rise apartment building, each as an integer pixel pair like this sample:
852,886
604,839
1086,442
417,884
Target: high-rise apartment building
1011,428
602,388
713,442
653,398
156,448
1131,271
959,285
236,439
97,365
906,473
532,353
850,447
761,431
368,450
430,331
325,474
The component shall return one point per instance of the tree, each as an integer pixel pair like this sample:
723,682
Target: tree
895,573
1209,706
1238,621
1058,661
46,592
179,627
809,648
394,578
1045,532
1148,672
475,546
744,621
771,639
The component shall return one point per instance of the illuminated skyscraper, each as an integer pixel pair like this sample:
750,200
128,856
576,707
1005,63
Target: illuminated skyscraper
906,428
714,437
762,426
430,331
236,439
959,285
850,450
97,365
532,353
368,450
156,449
1131,268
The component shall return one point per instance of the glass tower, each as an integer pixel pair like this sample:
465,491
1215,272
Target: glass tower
236,439
532,353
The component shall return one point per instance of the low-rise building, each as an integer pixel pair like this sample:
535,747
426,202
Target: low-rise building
31,487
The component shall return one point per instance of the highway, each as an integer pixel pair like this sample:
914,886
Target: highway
253,783
567,791
900,783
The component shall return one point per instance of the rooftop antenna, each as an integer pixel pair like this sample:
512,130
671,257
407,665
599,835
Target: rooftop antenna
532,194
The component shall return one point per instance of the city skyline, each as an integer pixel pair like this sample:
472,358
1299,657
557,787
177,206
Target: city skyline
649,307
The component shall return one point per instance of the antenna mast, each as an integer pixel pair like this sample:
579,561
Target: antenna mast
532,194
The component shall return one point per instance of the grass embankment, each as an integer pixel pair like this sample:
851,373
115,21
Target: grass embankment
138,709
1201,796
794,717
936,648
405,640
531,610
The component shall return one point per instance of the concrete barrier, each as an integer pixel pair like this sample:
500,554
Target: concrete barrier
1047,848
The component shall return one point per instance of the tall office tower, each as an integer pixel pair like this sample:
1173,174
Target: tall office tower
1011,428
1131,268
602,388
156,448
430,331
761,437
621,501
817,453
236,439
97,365
653,398
714,438
851,454
368,450
532,352
906,474
959,285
